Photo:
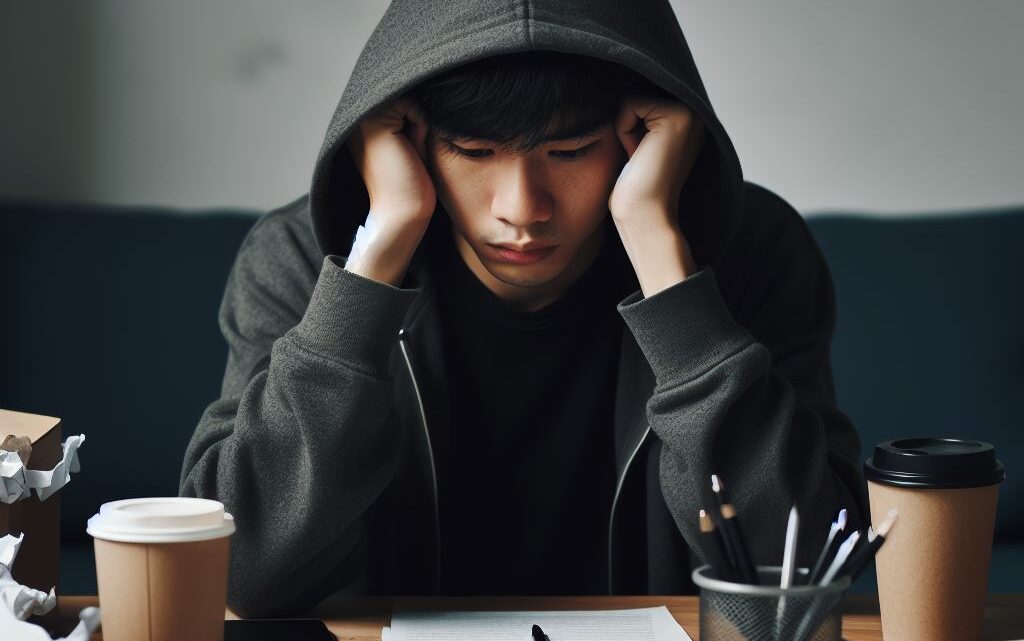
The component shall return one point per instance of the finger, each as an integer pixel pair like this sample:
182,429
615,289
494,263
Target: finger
411,123
418,130
389,117
638,115
626,124
401,107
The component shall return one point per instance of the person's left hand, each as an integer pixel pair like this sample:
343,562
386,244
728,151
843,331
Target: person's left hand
659,160
644,203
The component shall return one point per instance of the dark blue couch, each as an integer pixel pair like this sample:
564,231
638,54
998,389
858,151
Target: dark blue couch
110,322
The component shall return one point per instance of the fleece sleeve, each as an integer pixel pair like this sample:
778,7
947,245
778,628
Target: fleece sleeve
753,402
299,444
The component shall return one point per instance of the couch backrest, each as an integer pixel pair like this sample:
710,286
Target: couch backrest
110,322
930,334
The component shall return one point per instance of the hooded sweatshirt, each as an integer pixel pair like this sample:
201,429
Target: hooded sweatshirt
322,443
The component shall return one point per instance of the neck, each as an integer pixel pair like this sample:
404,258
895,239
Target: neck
533,298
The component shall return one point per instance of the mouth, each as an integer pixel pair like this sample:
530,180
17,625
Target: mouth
522,255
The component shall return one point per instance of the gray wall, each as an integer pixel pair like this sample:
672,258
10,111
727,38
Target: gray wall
874,105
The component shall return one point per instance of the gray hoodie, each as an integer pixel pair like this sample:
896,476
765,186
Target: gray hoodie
320,442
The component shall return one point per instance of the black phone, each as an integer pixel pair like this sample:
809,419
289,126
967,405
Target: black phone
277,629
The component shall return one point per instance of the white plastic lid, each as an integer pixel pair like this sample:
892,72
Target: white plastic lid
171,519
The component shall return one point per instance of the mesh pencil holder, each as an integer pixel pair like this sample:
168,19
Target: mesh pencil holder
739,612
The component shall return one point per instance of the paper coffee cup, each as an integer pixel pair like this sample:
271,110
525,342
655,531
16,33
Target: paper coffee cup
933,567
162,568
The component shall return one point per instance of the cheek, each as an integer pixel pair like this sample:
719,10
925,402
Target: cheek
590,188
458,189
597,174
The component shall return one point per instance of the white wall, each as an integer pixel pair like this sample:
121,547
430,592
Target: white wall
886,106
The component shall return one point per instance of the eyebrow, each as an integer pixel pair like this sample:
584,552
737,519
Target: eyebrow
579,130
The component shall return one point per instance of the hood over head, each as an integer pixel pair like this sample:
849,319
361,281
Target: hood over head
418,39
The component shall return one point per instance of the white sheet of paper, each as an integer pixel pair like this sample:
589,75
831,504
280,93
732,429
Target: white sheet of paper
636,624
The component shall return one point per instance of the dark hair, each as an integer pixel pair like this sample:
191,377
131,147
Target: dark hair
514,100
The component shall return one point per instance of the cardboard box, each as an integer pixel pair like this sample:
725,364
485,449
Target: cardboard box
38,562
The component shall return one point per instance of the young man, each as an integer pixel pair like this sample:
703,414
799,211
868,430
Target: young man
523,374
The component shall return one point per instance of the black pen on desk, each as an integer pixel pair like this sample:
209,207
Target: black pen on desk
863,555
713,548
831,544
732,534
538,634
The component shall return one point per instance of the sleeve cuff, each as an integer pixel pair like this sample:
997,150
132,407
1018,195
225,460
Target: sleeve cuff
352,318
683,330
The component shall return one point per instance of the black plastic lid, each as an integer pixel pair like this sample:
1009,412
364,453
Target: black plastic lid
934,463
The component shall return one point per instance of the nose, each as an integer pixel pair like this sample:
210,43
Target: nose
521,197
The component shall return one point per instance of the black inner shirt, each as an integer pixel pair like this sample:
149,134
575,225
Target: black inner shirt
526,491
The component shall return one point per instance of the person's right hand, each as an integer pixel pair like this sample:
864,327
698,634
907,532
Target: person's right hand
388,147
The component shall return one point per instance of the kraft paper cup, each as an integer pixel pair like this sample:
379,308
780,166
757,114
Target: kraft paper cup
933,567
162,568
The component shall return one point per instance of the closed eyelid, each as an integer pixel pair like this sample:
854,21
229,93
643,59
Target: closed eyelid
480,154
452,147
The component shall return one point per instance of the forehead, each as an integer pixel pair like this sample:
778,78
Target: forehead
559,131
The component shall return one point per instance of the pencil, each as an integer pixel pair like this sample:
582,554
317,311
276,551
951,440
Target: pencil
713,549
859,560
732,534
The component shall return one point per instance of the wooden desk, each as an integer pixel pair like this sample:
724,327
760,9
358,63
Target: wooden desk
361,619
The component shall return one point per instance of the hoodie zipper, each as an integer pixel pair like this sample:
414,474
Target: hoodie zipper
615,502
433,466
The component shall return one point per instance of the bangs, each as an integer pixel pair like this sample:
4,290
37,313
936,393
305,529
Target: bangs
520,101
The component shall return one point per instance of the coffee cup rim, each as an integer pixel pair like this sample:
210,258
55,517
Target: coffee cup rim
140,520
905,463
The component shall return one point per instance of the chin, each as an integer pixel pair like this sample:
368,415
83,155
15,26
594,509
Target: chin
523,275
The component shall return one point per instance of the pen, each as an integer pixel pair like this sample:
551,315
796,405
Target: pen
844,552
831,543
788,568
538,634
732,535
863,555
789,553
803,631
713,549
